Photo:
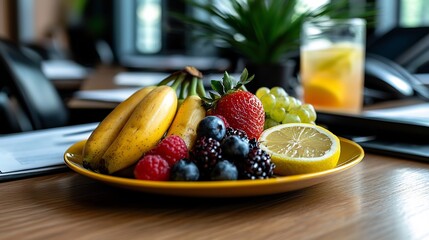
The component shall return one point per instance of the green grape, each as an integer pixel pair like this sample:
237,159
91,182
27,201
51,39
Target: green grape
278,92
268,102
262,91
270,123
294,110
291,118
293,103
303,114
310,109
277,114
282,102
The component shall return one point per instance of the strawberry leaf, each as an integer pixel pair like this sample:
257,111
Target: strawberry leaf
227,82
214,96
225,86
244,75
206,100
218,87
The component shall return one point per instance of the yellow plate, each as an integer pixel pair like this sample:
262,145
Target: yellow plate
351,154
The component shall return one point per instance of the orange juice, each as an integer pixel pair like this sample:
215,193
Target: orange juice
332,77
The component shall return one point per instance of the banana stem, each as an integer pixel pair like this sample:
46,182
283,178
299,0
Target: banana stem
189,88
178,81
200,88
183,89
193,87
168,79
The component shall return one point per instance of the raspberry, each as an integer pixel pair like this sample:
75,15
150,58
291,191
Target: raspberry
152,167
172,149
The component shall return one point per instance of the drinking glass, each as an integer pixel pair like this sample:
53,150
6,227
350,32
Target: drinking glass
332,64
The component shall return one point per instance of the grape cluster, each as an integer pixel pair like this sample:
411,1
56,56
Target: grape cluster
281,108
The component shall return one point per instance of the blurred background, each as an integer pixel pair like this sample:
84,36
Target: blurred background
130,32
73,38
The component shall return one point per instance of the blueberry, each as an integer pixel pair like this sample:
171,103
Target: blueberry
184,170
224,170
211,126
234,147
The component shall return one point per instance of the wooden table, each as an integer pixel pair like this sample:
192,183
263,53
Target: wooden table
380,198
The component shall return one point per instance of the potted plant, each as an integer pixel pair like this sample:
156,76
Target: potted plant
261,32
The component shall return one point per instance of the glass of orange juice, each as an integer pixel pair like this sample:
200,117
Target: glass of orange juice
332,64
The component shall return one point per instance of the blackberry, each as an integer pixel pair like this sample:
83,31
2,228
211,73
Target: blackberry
236,132
253,143
206,153
257,165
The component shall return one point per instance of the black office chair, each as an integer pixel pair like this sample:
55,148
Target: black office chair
28,100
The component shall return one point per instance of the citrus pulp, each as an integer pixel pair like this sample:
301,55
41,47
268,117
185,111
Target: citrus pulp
299,148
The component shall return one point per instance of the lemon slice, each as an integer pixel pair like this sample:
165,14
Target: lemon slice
324,93
299,148
336,57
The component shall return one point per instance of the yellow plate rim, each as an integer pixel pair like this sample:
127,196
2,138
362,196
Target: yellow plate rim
221,188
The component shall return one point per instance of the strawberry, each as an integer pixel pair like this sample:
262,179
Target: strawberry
241,109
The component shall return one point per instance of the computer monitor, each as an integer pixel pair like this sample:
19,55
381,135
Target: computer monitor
146,36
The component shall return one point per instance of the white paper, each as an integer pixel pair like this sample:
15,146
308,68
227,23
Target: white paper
38,149
140,79
143,79
63,70
418,113
105,95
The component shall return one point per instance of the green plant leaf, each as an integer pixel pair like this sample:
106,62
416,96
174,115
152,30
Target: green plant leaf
262,31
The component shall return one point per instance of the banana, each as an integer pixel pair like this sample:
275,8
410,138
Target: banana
146,126
185,123
105,133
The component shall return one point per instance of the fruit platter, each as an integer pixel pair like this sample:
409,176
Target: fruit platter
178,138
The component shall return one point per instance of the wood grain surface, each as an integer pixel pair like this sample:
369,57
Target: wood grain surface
380,198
